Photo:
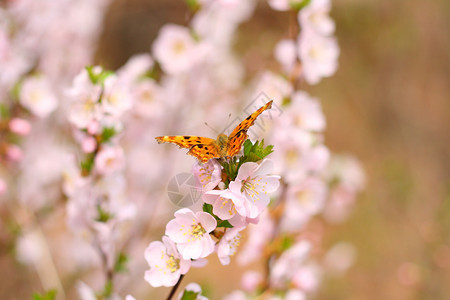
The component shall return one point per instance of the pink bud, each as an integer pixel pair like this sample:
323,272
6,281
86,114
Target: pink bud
2,187
88,144
93,127
20,126
14,153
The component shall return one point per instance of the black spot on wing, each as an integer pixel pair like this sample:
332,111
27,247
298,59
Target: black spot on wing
200,146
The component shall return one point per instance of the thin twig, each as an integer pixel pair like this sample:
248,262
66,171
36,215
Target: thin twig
174,289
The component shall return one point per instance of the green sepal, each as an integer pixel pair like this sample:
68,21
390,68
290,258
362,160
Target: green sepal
108,133
48,295
189,295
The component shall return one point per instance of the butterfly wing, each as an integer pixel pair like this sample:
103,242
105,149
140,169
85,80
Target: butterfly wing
202,148
239,134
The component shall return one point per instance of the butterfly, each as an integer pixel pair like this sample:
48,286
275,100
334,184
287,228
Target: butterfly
224,146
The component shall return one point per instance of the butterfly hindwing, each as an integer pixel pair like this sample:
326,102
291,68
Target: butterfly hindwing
239,134
201,147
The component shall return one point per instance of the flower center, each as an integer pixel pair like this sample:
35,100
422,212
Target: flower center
197,230
173,264
179,47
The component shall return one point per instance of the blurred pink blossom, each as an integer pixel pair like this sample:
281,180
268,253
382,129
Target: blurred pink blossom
303,201
340,257
14,152
318,54
175,49
286,53
315,17
135,67
19,126
37,96
109,159
88,144
289,263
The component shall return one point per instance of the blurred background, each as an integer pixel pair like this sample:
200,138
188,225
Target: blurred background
388,105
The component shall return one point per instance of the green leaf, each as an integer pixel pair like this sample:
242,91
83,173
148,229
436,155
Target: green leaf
98,78
87,164
108,289
49,295
298,5
224,223
121,262
189,295
4,112
193,5
103,216
208,208
287,242
108,133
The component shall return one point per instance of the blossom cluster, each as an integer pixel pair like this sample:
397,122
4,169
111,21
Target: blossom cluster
229,205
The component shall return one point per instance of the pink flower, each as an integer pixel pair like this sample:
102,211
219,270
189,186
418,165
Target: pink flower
14,152
148,99
228,245
315,17
116,99
174,49
304,113
340,257
166,264
19,126
249,191
318,54
85,108
208,175
288,263
286,53
190,231
258,237
302,202
88,144
222,202
281,5
135,67
307,277
109,159
37,96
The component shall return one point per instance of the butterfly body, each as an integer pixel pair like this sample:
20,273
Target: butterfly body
224,146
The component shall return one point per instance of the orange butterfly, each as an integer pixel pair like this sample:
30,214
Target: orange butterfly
224,146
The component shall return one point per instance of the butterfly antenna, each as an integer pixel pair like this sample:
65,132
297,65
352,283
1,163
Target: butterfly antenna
215,131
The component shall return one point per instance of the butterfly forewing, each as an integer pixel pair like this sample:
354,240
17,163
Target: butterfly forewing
239,134
201,147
